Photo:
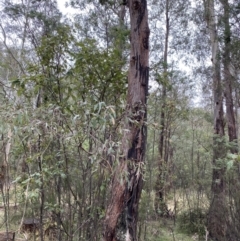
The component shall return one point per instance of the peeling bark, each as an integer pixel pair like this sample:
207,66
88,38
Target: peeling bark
122,212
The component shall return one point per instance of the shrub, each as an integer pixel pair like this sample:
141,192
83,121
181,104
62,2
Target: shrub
192,221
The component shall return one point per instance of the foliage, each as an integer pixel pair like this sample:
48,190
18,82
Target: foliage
164,230
63,85
192,221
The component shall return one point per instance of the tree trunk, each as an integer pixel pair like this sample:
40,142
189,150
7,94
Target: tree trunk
160,204
217,217
122,212
233,231
228,78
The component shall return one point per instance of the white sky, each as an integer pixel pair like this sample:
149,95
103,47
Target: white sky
65,10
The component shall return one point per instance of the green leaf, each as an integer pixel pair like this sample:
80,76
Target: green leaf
230,165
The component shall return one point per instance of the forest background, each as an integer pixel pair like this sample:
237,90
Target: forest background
63,93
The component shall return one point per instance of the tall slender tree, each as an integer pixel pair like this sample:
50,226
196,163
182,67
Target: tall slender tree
233,231
217,211
162,137
228,77
122,211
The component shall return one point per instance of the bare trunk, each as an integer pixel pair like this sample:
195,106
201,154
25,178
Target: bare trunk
233,231
160,203
217,217
165,75
122,211
228,78
42,192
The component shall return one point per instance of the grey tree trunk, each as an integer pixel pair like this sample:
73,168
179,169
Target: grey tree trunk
160,203
233,231
217,217
122,212
228,77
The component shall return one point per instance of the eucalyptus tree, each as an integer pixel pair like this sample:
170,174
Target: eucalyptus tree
218,212
122,211
229,75
170,18
227,72
163,159
235,42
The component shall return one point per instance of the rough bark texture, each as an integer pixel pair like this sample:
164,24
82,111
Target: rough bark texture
217,217
122,211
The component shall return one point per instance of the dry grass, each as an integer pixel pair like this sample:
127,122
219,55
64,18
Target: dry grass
184,200
164,230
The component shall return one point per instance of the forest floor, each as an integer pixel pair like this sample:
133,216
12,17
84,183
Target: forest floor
187,210
165,230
